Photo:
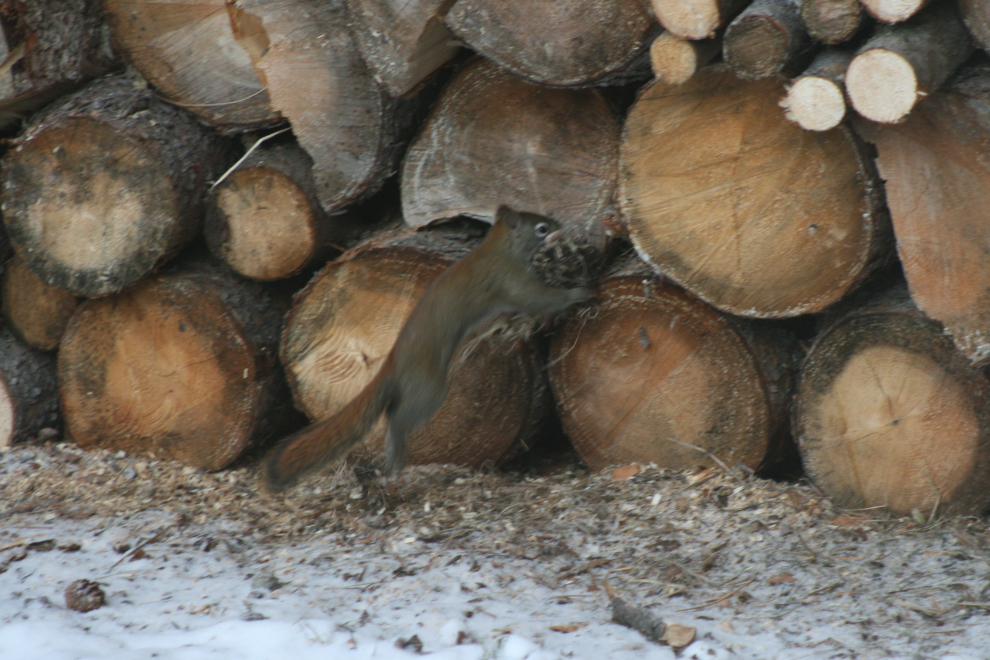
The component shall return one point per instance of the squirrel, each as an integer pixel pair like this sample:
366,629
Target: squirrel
495,278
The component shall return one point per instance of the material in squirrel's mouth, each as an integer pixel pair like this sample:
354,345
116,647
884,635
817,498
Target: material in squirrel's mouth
552,237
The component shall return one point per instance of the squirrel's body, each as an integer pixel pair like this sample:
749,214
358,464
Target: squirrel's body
411,384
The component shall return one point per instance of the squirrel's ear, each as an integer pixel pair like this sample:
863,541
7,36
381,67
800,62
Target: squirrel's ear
507,215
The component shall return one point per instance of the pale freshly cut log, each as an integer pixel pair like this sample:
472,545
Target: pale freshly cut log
675,60
494,139
765,39
816,100
106,184
578,42
34,311
181,366
696,19
937,168
651,374
894,11
976,16
28,392
902,64
345,322
889,414
832,21
742,207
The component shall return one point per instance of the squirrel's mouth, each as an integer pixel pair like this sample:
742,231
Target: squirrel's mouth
552,237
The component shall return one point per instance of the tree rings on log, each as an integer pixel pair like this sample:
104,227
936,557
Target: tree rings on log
36,312
180,366
106,185
345,322
651,374
832,21
742,207
28,393
889,414
765,39
494,139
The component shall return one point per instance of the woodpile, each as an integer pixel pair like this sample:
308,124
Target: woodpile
787,198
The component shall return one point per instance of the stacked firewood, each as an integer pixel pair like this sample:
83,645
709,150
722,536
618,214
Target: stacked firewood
781,201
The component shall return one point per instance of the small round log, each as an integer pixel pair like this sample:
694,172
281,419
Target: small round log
893,11
34,311
816,100
832,21
675,60
767,38
696,19
28,392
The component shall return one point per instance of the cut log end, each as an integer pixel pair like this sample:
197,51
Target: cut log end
882,85
34,311
893,11
689,20
815,104
832,21
675,60
757,49
8,414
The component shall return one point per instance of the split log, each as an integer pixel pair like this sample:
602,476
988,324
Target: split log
34,311
265,221
832,21
201,55
28,393
49,48
901,64
402,43
675,60
344,323
765,39
696,19
888,413
180,366
937,168
893,11
651,374
105,185
976,16
716,185
555,43
816,100
494,139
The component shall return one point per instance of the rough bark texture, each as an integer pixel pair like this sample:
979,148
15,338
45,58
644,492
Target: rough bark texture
200,54
889,414
181,366
976,16
832,21
493,139
34,311
346,320
28,393
937,168
402,41
901,64
716,185
893,11
652,374
675,60
816,100
696,19
767,38
105,185
555,43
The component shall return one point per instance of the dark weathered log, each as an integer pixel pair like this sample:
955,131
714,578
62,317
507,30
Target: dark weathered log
675,60
767,38
555,43
49,48
651,374
976,16
743,208
346,320
816,100
894,11
903,63
832,21
28,393
937,168
107,184
696,19
494,139
181,366
889,414
402,43
34,311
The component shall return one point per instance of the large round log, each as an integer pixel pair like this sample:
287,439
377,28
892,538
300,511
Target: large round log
716,186
28,393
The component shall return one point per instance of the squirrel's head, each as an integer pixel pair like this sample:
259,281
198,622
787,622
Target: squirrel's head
529,231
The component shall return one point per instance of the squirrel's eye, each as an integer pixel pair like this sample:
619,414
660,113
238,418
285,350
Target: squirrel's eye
542,229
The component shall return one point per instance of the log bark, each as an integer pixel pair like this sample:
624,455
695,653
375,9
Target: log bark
494,139
34,311
937,168
696,19
28,393
346,320
832,21
893,11
49,48
767,38
716,184
555,43
105,185
901,64
651,374
889,414
675,60
976,16
181,366
816,100
200,54
265,220
402,43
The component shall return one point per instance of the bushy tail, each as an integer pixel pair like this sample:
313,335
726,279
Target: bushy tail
329,440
